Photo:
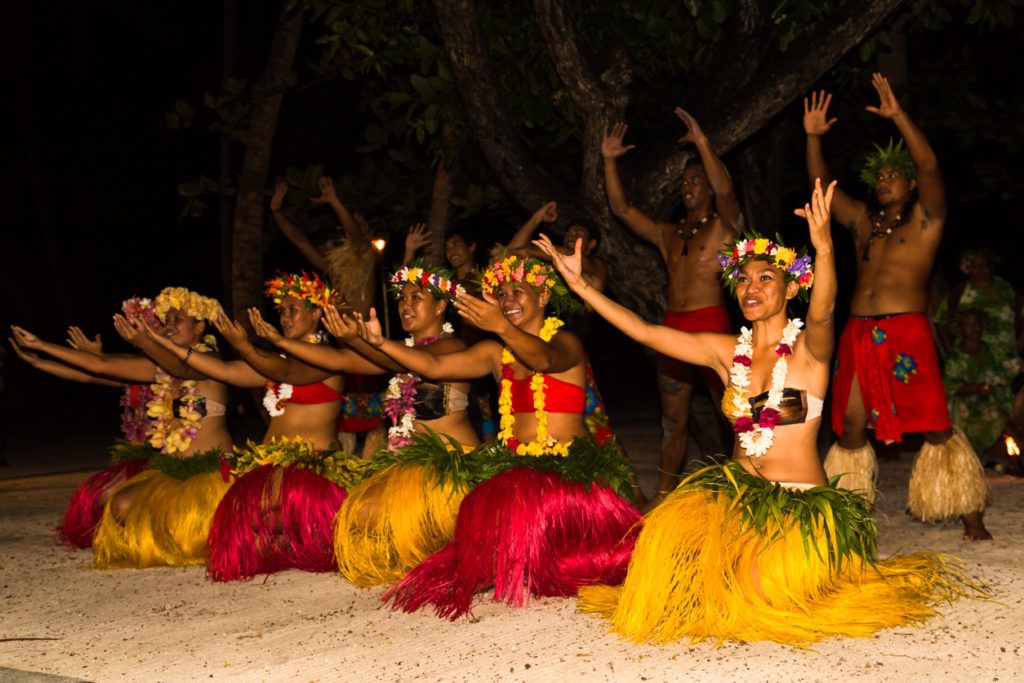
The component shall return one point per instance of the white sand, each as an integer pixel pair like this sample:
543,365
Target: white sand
174,624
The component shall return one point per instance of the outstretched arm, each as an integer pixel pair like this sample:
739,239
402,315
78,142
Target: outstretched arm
846,209
269,365
128,368
58,369
698,349
234,372
612,148
291,231
476,361
136,333
930,188
357,239
721,184
820,331
319,355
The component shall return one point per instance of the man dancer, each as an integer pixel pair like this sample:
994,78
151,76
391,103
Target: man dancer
887,373
690,250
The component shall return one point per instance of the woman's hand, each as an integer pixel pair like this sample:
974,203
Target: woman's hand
342,327
29,358
132,331
818,214
816,120
26,339
483,313
888,106
569,265
262,328
77,340
234,332
370,329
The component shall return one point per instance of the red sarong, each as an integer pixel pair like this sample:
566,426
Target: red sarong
707,319
898,374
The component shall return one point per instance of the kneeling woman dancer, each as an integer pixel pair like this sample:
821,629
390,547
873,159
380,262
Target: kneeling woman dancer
762,548
551,520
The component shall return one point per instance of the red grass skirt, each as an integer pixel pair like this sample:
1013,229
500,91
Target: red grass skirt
85,509
274,518
525,532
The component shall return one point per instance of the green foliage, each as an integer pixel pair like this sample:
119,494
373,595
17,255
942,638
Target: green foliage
183,468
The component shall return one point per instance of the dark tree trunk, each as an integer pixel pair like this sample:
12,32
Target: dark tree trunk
246,262
759,170
440,207
229,56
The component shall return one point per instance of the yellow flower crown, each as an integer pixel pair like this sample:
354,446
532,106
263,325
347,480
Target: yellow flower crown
310,289
188,302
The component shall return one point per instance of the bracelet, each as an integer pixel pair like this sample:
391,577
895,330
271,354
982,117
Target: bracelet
188,354
249,352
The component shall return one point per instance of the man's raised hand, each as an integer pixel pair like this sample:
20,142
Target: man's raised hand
816,121
569,265
611,146
327,193
888,106
277,199
693,131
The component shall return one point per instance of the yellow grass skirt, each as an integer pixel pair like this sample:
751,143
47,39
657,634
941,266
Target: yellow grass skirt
167,523
392,521
747,560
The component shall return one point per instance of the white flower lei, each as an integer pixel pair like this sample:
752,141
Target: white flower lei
758,439
447,328
274,401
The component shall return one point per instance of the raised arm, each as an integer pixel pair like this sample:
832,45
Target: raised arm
931,190
291,231
718,177
699,349
545,214
478,360
612,148
820,332
319,355
58,369
845,208
357,239
128,368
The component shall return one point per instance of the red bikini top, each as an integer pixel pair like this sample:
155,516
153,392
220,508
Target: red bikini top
312,393
559,396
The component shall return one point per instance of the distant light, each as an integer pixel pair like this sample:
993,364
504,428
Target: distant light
1011,446
378,244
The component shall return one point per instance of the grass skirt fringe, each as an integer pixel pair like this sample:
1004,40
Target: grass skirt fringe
947,481
729,556
85,509
525,531
857,469
279,512
167,522
392,521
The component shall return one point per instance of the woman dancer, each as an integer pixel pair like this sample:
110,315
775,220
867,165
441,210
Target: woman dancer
161,516
761,548
401,514
551,519
279,510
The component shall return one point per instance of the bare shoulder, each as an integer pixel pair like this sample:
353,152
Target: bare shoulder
446,345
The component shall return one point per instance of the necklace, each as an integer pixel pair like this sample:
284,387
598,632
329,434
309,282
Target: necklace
693,231
543,444
877,231
400,399
174,426
757,437
277,395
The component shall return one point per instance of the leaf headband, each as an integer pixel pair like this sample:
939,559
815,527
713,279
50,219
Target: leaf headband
311,289
895,156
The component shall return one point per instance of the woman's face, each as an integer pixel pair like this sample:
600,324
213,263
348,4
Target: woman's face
418,308
182,329
520,303
298,322
762,290
981,270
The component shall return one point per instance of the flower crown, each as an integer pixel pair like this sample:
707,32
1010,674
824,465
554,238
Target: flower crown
188,302
438,281
795,265
895,156
540,275
310,289
140,307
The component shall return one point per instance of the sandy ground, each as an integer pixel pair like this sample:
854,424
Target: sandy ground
61,617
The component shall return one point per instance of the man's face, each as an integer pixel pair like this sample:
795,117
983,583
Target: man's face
576,232
892,188
457,252
694,187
